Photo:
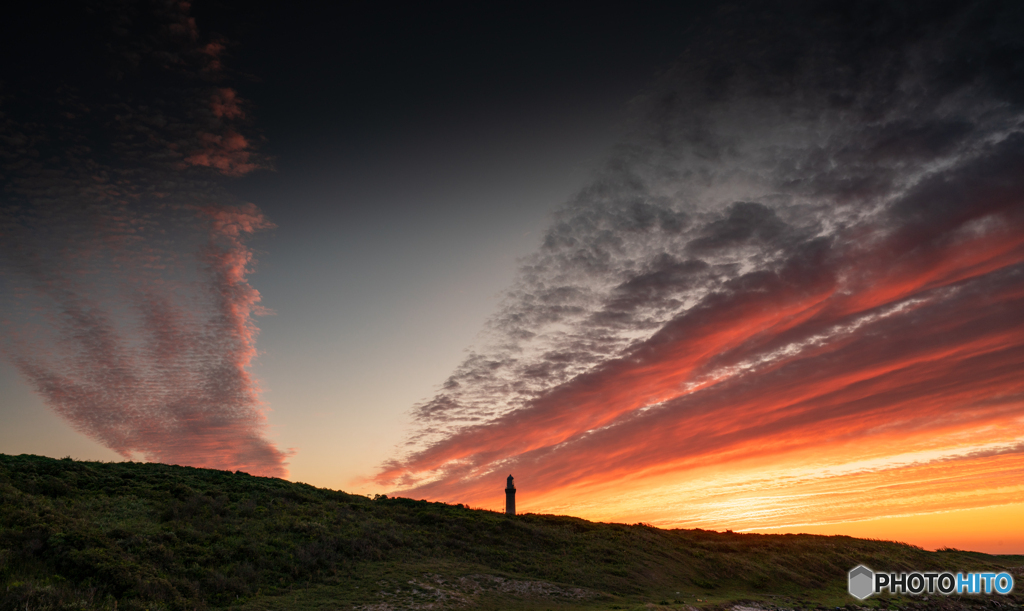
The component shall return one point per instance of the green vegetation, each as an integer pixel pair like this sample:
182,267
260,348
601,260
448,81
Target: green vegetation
128,536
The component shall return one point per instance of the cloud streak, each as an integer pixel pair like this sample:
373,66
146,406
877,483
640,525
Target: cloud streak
808,252
123,264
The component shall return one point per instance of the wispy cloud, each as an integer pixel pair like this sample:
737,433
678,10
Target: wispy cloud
124,266
808,251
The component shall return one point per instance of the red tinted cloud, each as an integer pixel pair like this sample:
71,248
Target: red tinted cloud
223,148
228,153
775,369
794,295
137,350
224,104
124,276
213,51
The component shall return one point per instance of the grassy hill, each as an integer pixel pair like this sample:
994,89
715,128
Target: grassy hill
123,536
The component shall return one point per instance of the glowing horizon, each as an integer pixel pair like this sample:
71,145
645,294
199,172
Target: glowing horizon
784,291
771,309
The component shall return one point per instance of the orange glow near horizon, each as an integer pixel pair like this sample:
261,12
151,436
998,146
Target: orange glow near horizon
933,499
883,395
986,529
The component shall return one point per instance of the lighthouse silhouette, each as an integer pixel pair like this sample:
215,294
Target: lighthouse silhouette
510,497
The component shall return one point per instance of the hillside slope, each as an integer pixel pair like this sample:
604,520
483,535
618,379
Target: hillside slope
134,536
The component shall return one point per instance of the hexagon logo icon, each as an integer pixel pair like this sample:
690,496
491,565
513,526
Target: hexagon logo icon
860,584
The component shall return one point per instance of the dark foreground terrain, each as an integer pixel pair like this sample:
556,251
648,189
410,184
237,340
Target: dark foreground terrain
125,536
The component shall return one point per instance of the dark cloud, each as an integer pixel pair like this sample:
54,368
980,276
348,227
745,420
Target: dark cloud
744,223
812,230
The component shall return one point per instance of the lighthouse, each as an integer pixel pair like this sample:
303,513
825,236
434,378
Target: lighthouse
510,497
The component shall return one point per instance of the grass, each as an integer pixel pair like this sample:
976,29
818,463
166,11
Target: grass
122,536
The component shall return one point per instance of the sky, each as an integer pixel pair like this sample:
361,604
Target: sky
748,266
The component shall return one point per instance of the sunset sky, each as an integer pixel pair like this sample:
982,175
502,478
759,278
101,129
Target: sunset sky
748,266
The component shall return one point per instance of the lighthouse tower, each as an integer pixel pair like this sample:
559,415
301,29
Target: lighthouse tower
510,497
